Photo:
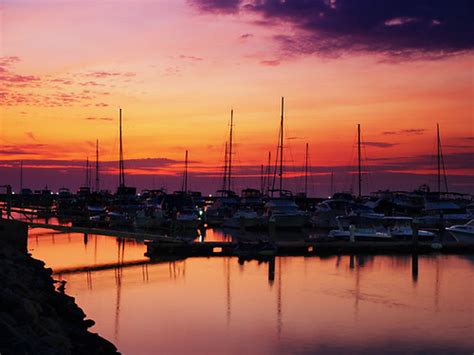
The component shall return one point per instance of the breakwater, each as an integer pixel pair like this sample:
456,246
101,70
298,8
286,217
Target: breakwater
36,317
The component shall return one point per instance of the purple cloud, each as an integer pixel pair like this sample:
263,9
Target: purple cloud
400,28
217,6
380,144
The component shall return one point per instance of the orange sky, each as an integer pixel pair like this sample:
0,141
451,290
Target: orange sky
68,66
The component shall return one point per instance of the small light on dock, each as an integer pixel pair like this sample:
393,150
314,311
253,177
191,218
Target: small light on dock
217,250
310,249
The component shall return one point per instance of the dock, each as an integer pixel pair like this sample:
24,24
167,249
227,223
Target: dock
106,232
305,248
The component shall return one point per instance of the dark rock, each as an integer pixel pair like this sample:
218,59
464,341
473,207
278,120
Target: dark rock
37,319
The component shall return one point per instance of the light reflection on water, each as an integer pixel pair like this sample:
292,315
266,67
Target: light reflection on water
348,304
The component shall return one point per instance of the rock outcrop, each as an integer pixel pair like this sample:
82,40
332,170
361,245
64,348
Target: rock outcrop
37,319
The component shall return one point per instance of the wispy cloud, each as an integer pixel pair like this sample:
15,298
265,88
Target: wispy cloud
191,57
245,36
408,132
30,135
380,144
29,90
270,62
108,74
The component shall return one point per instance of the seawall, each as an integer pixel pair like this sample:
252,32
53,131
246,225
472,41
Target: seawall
35,318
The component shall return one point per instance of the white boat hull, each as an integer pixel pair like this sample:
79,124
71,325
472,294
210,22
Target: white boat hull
359,236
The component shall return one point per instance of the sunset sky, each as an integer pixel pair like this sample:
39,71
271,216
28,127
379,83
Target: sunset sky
177,68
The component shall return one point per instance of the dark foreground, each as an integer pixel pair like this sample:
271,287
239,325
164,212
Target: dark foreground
34,317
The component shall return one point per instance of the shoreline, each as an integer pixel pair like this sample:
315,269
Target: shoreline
35,317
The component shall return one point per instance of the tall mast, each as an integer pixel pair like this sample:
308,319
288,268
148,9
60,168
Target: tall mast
269,167
224,183
359,160
262,179
281,144
121,164
439,158
185,182
306,172
89,175
97,185
21,175
230,149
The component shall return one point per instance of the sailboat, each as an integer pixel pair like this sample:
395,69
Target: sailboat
188,216
122,189
342,203
227,202
438,211
282,211
121,214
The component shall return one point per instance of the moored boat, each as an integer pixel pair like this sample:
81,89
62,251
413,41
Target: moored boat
463,232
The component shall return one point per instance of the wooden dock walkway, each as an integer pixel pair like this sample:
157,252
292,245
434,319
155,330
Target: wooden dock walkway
106,232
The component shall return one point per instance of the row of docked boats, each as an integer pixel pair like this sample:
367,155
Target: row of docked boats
342,216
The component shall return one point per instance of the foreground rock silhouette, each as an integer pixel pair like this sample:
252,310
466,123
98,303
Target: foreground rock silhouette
34,317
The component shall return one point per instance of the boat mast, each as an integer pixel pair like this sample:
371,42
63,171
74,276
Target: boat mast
224,184
185,181
230,149
262,179
89,175
359,160
439,158
269,167
121,164
21,175
306,173
281,144
97,185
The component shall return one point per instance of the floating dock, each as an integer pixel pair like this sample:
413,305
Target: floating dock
304,248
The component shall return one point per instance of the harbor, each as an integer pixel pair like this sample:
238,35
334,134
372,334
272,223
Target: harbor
267,227
248,177
122,290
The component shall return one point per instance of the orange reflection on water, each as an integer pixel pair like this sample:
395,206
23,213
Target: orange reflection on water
218,305
72,250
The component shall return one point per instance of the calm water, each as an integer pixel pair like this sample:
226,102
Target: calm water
218,306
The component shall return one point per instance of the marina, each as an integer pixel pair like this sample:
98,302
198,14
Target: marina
122,290
248,177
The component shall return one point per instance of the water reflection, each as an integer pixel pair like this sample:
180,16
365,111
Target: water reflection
356,303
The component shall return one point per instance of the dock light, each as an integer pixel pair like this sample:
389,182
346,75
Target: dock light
13,192
210,195
217,250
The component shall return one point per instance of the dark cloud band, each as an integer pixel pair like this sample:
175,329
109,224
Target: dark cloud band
401,28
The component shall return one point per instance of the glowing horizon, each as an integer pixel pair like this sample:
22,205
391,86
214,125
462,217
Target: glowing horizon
176,68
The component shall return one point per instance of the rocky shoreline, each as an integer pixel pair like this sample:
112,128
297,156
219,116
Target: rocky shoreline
35,318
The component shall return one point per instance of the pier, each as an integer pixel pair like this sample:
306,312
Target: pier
304,248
